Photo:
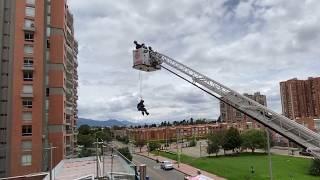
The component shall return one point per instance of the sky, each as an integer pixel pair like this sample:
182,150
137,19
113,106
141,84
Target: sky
247,45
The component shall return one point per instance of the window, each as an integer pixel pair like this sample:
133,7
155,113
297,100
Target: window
28,76
48,43
238,114
28,49
47,92
29,36
28,23
49,9
26,145
28,89
27,116
47,104
48,31
31,2
28,62
26,130
30,11
26,160
27,103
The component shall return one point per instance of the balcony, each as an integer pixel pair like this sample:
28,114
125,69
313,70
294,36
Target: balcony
69,110
29,28
27,68
69,131
26,94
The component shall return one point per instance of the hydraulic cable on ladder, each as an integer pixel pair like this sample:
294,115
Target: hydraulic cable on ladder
288,128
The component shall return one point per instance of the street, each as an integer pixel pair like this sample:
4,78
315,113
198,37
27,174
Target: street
154,171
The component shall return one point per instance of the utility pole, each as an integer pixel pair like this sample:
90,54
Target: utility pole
51,148
177,148
166,137
111,163
97,155
200,147
269,155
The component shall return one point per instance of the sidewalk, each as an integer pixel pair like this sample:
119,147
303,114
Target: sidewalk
184,168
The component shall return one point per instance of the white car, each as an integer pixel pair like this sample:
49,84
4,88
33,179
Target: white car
166,165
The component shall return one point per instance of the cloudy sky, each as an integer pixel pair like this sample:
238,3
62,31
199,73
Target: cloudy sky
247,45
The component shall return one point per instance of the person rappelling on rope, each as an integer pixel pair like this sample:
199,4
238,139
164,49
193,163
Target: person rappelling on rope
140,107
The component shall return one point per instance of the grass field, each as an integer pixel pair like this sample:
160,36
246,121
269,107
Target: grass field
239,167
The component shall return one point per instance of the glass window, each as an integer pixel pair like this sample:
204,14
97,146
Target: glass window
27,116
49,9
28,62
30,11
28,49
31,2
29,36
26,160
27,89
48,31
26,145
28,23
28,76
26,130
27,103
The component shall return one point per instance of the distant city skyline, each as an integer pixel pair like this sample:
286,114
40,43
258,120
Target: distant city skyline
248,46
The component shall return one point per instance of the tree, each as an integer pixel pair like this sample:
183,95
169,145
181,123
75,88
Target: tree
191,121
85,140
232,139
315,167
85,152
125,152
214,143
154,145
193,142
140,143
84,129
103,135
254,139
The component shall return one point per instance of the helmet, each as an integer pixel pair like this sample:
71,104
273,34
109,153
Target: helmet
135,42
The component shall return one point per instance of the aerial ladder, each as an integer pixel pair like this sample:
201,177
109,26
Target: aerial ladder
148,60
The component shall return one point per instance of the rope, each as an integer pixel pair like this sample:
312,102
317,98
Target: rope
140,85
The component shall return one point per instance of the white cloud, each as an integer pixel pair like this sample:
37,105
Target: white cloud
247,45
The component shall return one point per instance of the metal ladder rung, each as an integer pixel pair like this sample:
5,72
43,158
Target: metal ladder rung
310,140
287,130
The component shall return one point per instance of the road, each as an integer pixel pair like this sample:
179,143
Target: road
154,171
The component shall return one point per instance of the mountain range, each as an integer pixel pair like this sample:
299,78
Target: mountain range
103,123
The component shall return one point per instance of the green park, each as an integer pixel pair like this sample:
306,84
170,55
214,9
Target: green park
250,166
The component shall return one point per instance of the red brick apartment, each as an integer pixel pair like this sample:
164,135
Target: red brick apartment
300,101
182,131
38,71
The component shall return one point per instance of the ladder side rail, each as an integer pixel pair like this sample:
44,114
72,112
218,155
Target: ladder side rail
243,100
222,90
301,137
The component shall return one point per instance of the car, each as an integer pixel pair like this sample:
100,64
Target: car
304,152
166,165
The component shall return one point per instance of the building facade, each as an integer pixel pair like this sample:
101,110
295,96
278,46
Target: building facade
38,69
171,133
229,114
300,100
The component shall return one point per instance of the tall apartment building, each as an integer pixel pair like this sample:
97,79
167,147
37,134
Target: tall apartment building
300,100
229,114
38,70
